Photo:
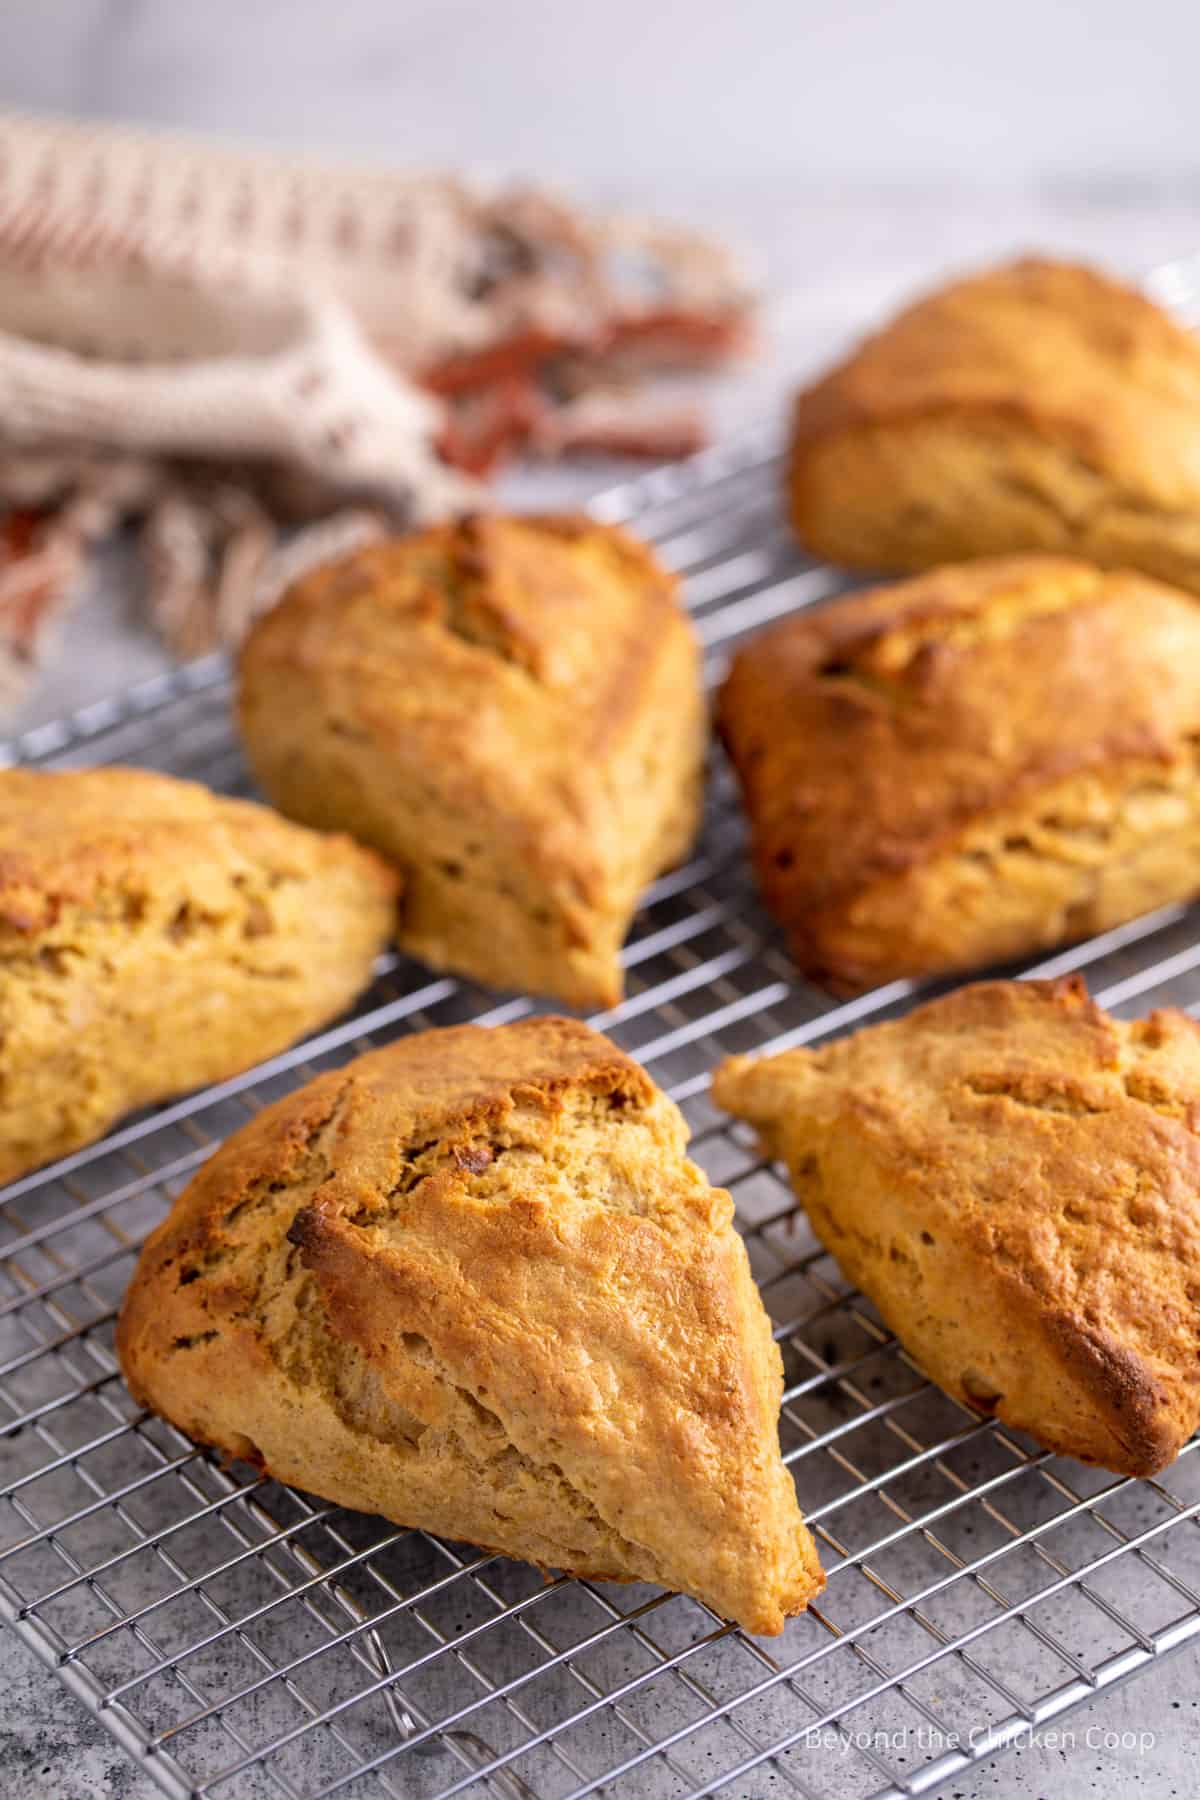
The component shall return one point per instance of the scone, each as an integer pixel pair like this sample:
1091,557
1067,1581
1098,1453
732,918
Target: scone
1013,1178
155,937
977,763
510,710
471,1282
1038,406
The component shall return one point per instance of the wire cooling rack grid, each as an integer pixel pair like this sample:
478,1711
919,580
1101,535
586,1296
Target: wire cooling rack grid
240,1639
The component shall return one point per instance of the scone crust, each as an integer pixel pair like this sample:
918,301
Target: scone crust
1035,406
471,1282
509,709
982,761
1013,1177
156,936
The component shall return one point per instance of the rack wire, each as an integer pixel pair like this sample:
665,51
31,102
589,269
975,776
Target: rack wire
242,1639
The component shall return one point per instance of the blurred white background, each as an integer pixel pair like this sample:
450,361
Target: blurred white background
622,96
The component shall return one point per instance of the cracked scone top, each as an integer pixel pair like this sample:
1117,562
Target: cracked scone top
1013,1177
154,937
509,709
471,1282
985,760
1035,406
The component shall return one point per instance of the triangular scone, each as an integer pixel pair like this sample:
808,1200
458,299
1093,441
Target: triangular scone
471,1282
961,769
1035,406
1013,1177
511,711
155,937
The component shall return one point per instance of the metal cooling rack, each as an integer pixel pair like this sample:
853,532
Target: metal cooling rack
241,1639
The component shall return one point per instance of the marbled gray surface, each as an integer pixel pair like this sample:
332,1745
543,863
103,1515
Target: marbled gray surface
855,151
52,1748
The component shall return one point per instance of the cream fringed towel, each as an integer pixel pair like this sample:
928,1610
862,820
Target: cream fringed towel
218,344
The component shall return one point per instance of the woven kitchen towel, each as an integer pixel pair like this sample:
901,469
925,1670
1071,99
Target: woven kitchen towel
219,344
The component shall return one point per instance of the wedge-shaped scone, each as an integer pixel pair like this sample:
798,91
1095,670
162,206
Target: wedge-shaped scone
977,763
472,1283
155,936
1013,1178
1037,406
509,709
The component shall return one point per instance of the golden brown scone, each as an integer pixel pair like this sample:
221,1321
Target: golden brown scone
971,765
509,709
1037,406
1013,1178
471,1282
154,937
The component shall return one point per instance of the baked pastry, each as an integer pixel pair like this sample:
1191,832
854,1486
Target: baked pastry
1013,1178
974,764
154,937
471,1282
1038,406
509,709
